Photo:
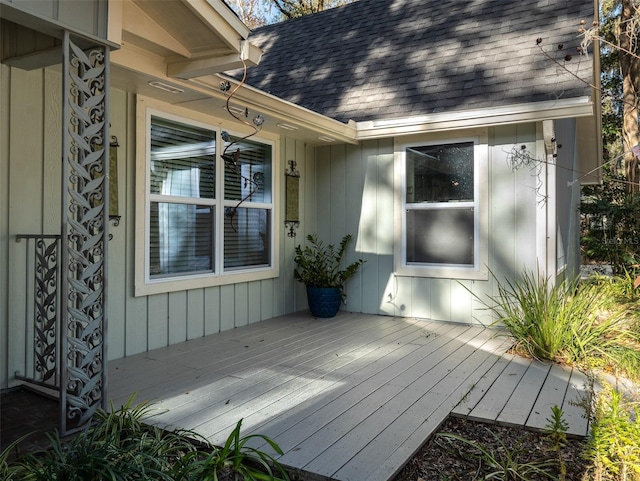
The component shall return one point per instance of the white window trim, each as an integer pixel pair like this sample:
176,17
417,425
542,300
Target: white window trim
479,271
144,285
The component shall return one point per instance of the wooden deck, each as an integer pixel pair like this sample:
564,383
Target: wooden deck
349,398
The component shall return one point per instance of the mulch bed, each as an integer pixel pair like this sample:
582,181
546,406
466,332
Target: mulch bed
441,459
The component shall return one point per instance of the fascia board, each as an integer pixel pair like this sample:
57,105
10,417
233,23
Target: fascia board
284,110
354,132
519,113
138,60
198,67
230,29
230,17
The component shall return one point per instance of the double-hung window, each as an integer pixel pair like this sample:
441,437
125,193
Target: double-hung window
441,213
209,207
182,199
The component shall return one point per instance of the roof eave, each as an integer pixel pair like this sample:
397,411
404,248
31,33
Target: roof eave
284,111
486,117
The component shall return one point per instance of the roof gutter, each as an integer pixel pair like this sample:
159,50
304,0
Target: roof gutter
487,117
283,110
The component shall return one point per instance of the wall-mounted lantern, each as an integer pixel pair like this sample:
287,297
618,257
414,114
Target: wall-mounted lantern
292,190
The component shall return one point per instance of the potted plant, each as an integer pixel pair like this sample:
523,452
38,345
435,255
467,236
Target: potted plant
319,268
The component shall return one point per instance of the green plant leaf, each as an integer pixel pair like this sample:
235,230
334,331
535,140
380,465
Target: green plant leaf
320,265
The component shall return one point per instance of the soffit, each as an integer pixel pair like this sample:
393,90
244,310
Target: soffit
194,38
177,21
204,95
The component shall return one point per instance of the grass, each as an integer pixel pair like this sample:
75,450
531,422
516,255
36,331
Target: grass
119,446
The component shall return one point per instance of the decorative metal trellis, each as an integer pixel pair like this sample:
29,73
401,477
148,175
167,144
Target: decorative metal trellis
41,366
85,190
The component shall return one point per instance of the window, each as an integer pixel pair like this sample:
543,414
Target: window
441,213
247,205
182,199
209,208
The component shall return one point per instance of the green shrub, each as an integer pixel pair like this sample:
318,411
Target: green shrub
116,446
11,471
611,222
567,321
620,291
235,459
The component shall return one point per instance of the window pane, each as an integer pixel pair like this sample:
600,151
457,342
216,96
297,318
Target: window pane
247,234
440,236
181,239
183,160
247,171
440,173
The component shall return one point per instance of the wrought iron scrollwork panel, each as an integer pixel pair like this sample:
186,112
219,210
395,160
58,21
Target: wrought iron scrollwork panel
85,214
46,310
42,312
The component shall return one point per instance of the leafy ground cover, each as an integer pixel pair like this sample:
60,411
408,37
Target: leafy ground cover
118,446
591,324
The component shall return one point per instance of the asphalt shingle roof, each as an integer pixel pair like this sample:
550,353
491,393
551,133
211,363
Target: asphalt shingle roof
386,59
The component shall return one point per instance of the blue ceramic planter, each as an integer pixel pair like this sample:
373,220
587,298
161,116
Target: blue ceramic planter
324,301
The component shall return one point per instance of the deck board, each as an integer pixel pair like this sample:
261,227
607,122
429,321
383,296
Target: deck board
481,386
407,410
350,398
492,403
304,423
525,395
287,378
574,402
392,408
394,460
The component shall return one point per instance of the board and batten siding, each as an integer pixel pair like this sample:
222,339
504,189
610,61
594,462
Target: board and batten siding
30,193
568,189
139,324
5,103
353,193
344,189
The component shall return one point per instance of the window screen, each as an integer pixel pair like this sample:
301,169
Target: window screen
439,204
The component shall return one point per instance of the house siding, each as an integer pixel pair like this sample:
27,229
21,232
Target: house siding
344,189
23,198
30,204
568,198
88,17
5,101
354,194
